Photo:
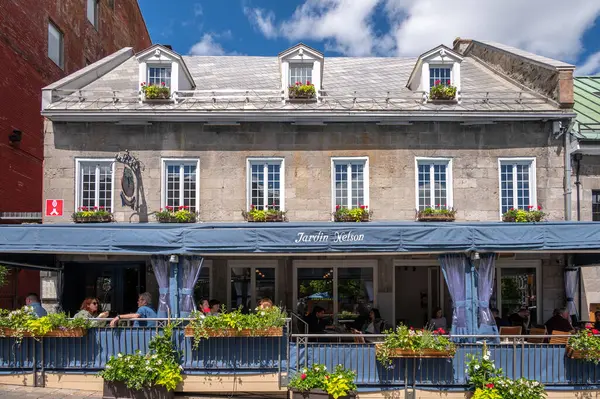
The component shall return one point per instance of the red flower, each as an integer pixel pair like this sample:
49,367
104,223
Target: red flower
366,207
448,82
337,207
303,377
252,206
412,328
437,82
490,385
595,332
362,207
530,206
539,207
308,82
163,83
326,377
143,84
95,208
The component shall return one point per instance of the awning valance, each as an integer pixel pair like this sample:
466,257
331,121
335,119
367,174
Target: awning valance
373,237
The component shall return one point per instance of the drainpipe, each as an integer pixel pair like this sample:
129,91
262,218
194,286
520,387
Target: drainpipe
578,158
567,179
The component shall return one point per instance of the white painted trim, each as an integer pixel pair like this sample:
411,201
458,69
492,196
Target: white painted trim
449,178
438,65
253,265
163,178
335,265
532,179
350,160
78,162
266,160
521,264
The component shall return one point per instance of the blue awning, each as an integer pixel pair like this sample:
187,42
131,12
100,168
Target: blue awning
373,237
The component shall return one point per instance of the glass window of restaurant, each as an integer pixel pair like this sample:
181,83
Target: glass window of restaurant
518,283
203,287
251,281
345,289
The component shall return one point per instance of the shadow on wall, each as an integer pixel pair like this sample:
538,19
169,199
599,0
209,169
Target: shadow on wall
284,136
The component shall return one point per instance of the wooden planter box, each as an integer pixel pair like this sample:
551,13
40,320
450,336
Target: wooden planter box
230,332
348,218
442,101
113,390
93,219
174,220
509,219
269,218
425,353
575,354
316,394
67,333
435,218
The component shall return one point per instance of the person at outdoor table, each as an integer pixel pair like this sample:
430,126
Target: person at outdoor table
144,311
265,303
90,308
204,307
520,319
500,322
438,321
33,300
375,324
215,307
316,322
560,322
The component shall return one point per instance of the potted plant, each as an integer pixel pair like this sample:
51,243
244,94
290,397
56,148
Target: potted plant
266,322
268,214
585,345
155,374
436,214
302,91
25,323
92,215
408,342
442,91
489,382
155,92
171,214
318,383
359,214
532,214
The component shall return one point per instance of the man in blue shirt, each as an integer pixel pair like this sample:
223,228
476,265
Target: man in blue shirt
33,300
144,311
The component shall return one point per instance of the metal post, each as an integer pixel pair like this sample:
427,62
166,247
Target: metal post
174,287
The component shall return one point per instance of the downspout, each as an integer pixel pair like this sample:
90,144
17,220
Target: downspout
578,158
567,179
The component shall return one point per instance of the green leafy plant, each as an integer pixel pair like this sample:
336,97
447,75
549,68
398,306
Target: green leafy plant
338,383
24,321
587,342
436,212
159,367
171,214
532,214
406,338
358,214
442,90
153,92
95,214
481,371
263,319
489,393
301,90
4,273
268,214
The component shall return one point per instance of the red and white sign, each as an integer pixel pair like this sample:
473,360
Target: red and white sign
54,207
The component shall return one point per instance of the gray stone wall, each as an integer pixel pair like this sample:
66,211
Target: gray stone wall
307,150
589,177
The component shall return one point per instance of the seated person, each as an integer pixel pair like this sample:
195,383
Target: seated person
144,311
375,324
265,303
560,322
316,322
520,319
500,322
90,309
215,307
438,321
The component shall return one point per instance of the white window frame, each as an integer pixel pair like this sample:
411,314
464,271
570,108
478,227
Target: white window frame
160,66
78,162
521,264
449,185
163,178
266,161
350,160
441,66
531,161
61,44
307,65
96,8
253,265
335,265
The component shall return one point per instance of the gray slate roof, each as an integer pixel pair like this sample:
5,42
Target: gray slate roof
530,56
350,84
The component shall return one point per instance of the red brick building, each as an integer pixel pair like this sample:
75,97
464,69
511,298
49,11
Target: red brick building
41,42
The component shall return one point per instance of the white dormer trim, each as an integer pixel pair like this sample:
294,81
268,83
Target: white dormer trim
301,54
157,55
439,57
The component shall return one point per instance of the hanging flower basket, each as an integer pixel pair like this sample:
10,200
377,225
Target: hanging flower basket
270,214
436,215
360,214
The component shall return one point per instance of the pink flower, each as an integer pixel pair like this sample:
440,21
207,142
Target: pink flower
437,82
303,377
337,207
308,82
448,82
163,83
595,332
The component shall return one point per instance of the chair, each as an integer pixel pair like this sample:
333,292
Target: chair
561,338
515,330
536,331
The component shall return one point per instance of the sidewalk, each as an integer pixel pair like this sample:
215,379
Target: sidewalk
22,392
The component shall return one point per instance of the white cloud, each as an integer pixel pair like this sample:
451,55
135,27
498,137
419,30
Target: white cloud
550,27
207,46
590,67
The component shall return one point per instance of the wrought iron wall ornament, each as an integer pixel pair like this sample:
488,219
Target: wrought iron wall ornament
130,181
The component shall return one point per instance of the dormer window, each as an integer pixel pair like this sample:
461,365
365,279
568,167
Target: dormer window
300,73
157,75
437,75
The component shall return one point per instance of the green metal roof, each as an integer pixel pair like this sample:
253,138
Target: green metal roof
587,106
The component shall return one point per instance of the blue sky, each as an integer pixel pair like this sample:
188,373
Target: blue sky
566,30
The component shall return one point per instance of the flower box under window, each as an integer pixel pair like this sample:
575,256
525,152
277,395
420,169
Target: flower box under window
442,92
95,215
302,92
360,214
436,215
270,214
531,215
156,92
173,214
